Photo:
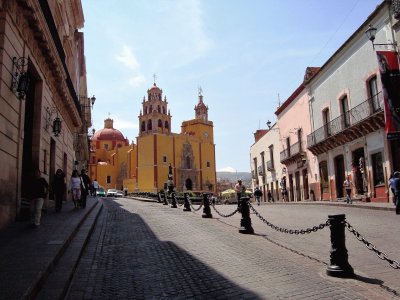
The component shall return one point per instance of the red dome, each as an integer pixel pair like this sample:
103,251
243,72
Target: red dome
109,134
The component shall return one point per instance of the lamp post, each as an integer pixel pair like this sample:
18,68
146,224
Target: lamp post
371,34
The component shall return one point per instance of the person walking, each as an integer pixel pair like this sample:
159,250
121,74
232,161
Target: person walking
95,186
239,188
258,194
395,185
85,187
59,188
270,198
40,189
391,179
347,184
75,187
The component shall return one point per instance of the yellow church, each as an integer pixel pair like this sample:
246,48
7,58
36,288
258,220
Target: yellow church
144,166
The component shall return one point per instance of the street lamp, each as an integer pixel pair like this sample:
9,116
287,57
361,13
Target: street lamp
371,34
269,124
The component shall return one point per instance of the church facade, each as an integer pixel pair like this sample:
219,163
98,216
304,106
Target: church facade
144,166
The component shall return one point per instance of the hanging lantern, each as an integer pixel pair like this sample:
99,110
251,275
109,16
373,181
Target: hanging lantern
57,126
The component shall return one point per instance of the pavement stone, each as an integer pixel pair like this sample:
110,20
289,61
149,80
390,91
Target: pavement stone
143,250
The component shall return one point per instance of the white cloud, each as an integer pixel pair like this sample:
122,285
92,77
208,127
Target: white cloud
137,81
127,57
227,169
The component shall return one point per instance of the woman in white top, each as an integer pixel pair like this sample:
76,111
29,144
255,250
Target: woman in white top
75,187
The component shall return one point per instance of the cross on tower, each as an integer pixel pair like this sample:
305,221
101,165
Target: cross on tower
154,76
200,91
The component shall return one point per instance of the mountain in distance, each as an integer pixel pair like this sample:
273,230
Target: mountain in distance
234,176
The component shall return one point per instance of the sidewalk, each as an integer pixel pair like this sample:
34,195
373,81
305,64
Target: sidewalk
28,255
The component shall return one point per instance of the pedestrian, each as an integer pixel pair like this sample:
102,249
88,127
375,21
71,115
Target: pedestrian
392,187
347,184
395,184
75,187
270,198
40,189
282,183
59,188
258,194
85,187
95,186
239,187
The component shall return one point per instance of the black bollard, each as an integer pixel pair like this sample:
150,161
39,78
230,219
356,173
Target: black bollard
245,222
339,264
186,206
207,208
165,199
159,198
173,200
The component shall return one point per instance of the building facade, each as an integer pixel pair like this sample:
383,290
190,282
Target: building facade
266,169
144,166
294,155
43,75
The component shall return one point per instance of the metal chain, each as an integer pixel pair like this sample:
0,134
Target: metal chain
382,255
222,215
169,203
195,209
290,231
177,202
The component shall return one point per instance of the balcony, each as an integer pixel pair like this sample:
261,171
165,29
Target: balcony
359,121
293,153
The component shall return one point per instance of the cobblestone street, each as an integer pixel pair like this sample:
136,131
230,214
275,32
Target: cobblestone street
143,250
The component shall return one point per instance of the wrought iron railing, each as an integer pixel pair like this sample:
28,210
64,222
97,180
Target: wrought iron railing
294,149
284,154
260,170
349,118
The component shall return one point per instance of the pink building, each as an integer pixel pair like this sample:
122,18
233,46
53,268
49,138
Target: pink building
294,125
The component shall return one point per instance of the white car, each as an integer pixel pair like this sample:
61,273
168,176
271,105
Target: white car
111,193
119,193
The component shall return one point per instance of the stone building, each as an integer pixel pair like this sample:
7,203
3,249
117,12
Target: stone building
43,95
144,166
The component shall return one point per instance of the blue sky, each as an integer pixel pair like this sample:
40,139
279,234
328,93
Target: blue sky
242,53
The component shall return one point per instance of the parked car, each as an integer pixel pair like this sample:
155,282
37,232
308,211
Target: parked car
111,193
119,193
101,192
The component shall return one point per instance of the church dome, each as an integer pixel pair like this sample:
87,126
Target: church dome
154,88
108,133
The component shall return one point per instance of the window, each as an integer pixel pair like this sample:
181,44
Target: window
373,92
187,163
166,125
208,164
323,176
271,155
106,146
163,110
159,108
164,158
344,104
143,127
159,123
288,146
377,168
108,180
149,125
44,161
326,119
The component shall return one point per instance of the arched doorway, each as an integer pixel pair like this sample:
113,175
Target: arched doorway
189,184
340,175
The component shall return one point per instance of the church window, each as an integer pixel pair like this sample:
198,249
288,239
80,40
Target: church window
163,110
208,164
164,158
143,128
166,125
106,146
145,110
149,125
151,109
159,123
159,97
187,163
159,108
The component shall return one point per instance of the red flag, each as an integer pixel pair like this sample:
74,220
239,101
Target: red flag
390,77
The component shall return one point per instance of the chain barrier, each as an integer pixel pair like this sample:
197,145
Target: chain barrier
195,209
382,255
177,202
223,215
290,231
167,197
